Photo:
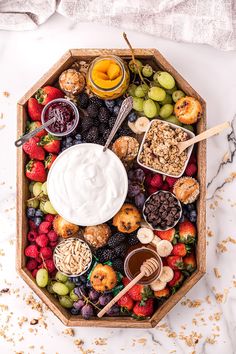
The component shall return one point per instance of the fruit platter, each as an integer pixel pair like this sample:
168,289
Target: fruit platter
89,216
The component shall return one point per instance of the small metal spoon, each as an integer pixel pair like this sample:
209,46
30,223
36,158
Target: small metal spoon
30,135
125,108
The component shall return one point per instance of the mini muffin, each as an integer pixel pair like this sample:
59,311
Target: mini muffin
186,189
188,110
126,148
98,235
72,82
127,219
103,277
64,228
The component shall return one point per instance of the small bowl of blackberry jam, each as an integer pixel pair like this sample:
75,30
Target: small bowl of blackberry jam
66,114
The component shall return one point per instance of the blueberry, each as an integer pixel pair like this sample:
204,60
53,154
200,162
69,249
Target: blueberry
39,212
193,216
37,220
74,311
30,212
182,218
63,143
69,145
78,137
132,117
110,104
69,139
76,142
190,207
116,110
78,283
119,101
83,279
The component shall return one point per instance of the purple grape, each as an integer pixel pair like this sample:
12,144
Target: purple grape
80,291
138,175
114,311
93,295
104,299
79,304
131,175
133,190
87,311
139,200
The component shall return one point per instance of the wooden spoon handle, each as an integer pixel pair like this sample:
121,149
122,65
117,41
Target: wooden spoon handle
120,294
206,134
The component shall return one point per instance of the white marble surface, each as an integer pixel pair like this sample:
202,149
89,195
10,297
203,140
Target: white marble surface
25,56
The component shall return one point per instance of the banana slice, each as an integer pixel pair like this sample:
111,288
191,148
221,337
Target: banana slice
167,274
141,124
155,240
164,248
133,128
157,285
145,235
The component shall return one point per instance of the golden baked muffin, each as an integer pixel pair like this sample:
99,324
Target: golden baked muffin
127,219
72,82
188,110
103,277
126,148
186,189
64,228
98,235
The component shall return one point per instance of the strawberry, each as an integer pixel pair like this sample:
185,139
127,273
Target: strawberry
34,109
47,94
168,235
191,169
177,280
51,143
171,181
190,262
49,160
33,125
162,294
187,232
156,181
175,262
126,302
142,311
138,292
32,149
35,171
180,249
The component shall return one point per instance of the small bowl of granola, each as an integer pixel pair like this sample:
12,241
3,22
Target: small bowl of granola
159,151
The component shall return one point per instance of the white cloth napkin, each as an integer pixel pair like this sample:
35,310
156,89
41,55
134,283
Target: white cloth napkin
210,22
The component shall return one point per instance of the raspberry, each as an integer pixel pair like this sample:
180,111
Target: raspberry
39,259
156,181
45,227
148,179
171,180
46,252
191,169
31,264
53,244
34,272
32,235
52,236
49,265
152,190
42,240
31,251
165,186
32,225
49,218
192,159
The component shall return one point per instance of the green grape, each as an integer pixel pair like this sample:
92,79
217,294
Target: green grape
166,110
189,127
61,277
73,296
44,188
70,285
32,203
156,93
165,79
133,67
48,208
131,89
37,189
66,301
42,277
150,108
155,78
60,288
141,90
31,186
171,90
155,84
168,99
49,287
41,207
138,104
147,70
158,107
176,95
174,120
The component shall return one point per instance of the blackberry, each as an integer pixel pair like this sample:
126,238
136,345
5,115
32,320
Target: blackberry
106,134
116,239
92,110
132,239
96,122
104,115
120,250
92,135
105,254
110,104
86,124
96,100
116,110
102,127
123,131
118,265
100,141
112,121
83,100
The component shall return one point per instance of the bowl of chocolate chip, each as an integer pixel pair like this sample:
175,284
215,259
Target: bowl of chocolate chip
162,210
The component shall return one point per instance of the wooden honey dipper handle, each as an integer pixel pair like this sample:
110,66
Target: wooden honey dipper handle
146,269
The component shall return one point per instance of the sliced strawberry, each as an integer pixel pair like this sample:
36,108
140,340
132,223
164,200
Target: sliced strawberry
49,160
168,235
35,171
32,149
51,143
47,94
187,232
34,109
162,294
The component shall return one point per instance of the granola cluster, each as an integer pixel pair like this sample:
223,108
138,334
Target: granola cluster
160,150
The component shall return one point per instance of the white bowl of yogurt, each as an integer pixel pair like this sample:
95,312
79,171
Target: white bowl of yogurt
87,186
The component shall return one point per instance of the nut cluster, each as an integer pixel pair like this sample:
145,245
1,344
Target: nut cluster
72,256
160,150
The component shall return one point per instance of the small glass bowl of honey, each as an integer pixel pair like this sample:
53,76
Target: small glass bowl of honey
135,259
